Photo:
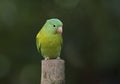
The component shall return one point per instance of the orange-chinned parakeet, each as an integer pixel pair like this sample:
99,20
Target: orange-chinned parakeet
49,39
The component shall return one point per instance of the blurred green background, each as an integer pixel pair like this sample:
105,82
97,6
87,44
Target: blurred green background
91,40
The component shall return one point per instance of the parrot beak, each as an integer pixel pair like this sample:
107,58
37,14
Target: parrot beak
59,30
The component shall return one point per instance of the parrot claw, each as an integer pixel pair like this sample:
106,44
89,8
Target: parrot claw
58,58
47,58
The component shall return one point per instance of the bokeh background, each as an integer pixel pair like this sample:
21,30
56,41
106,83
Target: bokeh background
91,40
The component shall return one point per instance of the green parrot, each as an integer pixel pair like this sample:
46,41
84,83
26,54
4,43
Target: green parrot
49,39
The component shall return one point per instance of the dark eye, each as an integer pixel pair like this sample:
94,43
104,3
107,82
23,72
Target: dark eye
54,25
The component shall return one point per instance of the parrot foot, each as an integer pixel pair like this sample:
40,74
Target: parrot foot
47,58
58,58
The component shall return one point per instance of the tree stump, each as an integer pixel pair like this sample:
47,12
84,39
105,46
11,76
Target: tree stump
53,71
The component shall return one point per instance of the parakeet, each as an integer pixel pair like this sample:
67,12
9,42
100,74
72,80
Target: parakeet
49,39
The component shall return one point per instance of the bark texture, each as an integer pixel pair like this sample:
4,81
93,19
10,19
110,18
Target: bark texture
53,71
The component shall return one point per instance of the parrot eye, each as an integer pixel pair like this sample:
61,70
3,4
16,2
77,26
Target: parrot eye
54,25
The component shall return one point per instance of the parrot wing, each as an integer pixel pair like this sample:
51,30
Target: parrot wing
38,44
61,42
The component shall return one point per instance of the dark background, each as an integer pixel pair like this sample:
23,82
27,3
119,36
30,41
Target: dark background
91,40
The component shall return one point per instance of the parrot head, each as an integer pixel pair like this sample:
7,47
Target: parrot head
54,26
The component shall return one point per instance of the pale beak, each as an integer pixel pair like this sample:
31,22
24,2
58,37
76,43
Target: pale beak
59,30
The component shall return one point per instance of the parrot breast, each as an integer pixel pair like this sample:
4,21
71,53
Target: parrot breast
50,44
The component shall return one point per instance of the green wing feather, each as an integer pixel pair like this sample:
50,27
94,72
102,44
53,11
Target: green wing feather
38,44
61,42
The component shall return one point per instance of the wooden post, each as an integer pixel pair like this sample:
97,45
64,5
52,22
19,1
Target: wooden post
53,71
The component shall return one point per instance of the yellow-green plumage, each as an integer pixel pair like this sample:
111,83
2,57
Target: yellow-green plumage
48,41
